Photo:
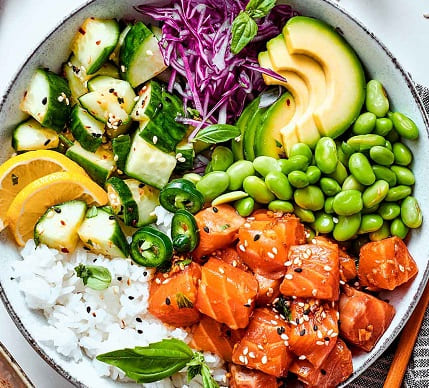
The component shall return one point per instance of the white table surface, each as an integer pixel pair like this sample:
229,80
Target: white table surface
23,23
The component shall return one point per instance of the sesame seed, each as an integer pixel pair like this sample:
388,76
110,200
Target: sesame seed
401,268
260,347
181,160
356,284
342,282
60,98
288,263
330,331
275,251
155,139
327,268
333,335
158,281
131,297
284,337
123,68
256,237
149,52
299,270
289,276
206,229
302,357
314,292
264,359
242,248
245,351
286,343
246,243
320,343
136,98
319,334
167,301
252,355
140,331
270,255
221,270
241,359
88,309
273,322
234,263
301,304
293,323
247,225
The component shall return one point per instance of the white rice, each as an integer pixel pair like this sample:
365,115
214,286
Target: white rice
84,322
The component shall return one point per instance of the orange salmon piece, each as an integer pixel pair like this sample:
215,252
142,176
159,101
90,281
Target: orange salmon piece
269,289
247,378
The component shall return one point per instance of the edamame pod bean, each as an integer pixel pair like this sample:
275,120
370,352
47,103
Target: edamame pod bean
213,184
313,174
411,213
330,186
351,183
329,205
404,176
301,149
208,168
361,169
324,223
279,185
298,179
326,155
347,148
406,127
229,197
340,174
392,136
347,227
370,223
389,211
397,193
403,155
222,158
238,172
374,194
381,155
304,215
295,163
370,210
265,164
192,177
389,145
381,233
348,202
342,157
376,99
383,126
309,198
281,206
385,174
245,206
257,189
362,143
398,228
364,124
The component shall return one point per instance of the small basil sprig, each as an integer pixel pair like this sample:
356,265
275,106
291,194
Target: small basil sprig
94,276
217,133
244,27
158,361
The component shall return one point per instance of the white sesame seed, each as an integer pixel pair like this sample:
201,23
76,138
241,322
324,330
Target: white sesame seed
302,357
342,282
123,68
308,251
115,158
221,270
241,359
158,281
334,335
260,347
60,98
264,359
356,284
273,322
314,292
401,268
245,351
270,255
288,276
327,268
249,301
320,343
301,304
288,263
181,160
252,355
293,323
246,243
234,263
275,251
330,331
247,225
319,334
149,52
335,219
242,248
136,98
155,139
306,318
284,337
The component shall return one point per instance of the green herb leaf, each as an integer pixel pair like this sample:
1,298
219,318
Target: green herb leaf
183,302
92,212
260,8
217,133
197,366
282,306
244,29
94,276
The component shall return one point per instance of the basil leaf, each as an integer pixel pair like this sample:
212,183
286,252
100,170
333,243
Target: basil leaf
208,380
198,366
217,133
260,8
94,276
244,29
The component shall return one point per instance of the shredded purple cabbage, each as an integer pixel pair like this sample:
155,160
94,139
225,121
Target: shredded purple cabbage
196,44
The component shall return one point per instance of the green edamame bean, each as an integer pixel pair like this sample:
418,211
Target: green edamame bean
298,179
309,234
392,136
376,99
398,228
381,233
403,155
397,193
389,145
231,196
304,215
375,193
192,177
213,184
330,186
324,223
279,185
348,202
309,198
364,124
301,149
385,174
411,213
329,208
295,163
347,149
361,169
389,211
351,183
362,143
281,206
245,206
208,168
222,158
370,223
340,174
326,155
313,174
237,172
370,210
383,126
347,227
381,155
404,176
265,164
257,189
406,127
342,157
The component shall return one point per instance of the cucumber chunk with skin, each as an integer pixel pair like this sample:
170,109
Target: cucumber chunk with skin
94,42
185,156
47,99
30,136
114,57
121,148
85,129
121,201
147,200
101,233
58,227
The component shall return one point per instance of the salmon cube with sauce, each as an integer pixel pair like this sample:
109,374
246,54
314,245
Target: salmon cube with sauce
386,264
268,291
364,318
348,270
173,295
226,293
230,256
247,378
263,346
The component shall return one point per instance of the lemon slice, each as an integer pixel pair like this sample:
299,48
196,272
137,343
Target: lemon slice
19,171
35,198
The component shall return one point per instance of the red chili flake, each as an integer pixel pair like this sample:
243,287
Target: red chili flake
288,102
62,222
64,250
82,31
98,42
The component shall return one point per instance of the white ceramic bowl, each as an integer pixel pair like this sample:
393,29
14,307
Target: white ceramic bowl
379,63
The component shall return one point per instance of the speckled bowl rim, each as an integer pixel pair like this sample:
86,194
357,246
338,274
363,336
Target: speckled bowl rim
387,342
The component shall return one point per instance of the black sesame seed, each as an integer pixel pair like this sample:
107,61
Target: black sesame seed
228,333
94,260
280,330
145,273
12,278
45,100
297,321
215,210
119,278
302,332
315,328
57,210
299,270
306,312
121,100
257,237
167,301
327,338
111,90
141,185
88,309
138,319
206,229
131,297
247,305
323,372
47,142
111,217
86,248
140,331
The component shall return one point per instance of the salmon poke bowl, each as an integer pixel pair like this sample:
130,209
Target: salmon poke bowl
212,194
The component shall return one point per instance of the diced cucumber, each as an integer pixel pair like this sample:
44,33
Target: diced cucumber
140,55
121,148
85,129
156,135
99,165
114,57
30,136
94,42
149,103
147,199
101,233
58,227
121,201
148,164
185,156
157,31
47,99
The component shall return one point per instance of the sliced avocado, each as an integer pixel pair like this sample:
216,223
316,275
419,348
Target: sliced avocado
345,79
249,133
